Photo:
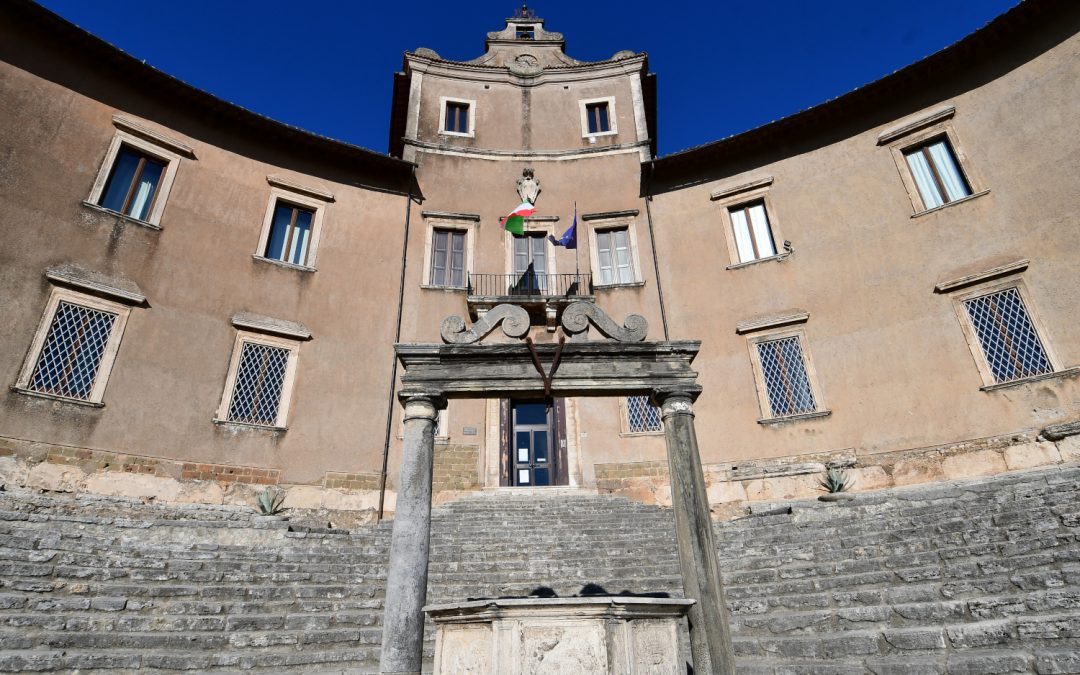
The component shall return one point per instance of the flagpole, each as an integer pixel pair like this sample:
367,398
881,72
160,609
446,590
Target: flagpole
577,267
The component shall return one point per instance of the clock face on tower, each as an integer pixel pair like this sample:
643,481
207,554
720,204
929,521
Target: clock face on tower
525,64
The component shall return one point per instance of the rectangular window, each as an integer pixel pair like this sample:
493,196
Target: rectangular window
613,256
1009,342
448,258
457,117
73,350
259,383
751,230
133,183
785,377
290,234
597,116
936,173
71,355
642,416
530,264
526,33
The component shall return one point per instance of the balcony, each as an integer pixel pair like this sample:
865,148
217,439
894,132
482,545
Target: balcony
542,295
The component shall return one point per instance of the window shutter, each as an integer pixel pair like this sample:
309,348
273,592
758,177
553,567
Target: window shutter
604,257
457,260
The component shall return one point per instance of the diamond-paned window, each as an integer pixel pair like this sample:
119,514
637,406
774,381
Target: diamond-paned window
1007,336
786,381
260,377
641,416
72,352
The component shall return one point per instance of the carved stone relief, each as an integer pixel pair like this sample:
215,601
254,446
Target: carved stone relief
514,320
528,187
578,315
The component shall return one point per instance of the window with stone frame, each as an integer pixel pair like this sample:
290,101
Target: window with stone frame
448,257
614,256
457,116
936,172
751,231
137,173
1007,337
74,348
133,183
598,117
932,164
258,386
292,225
787,385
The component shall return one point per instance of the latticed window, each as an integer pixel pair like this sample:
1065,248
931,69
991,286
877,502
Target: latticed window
72,352
1007,336
786,380
641,416
260,379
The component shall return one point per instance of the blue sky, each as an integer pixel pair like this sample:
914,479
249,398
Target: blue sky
723,67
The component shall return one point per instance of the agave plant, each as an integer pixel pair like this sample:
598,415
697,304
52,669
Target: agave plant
270,502
835,480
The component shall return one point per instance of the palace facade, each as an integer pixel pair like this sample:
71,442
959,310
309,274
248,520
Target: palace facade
200,301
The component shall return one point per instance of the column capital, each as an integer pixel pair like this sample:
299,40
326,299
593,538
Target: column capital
421,404
672,401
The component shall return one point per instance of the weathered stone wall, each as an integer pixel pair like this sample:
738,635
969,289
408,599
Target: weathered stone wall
457,468
739,487
339,497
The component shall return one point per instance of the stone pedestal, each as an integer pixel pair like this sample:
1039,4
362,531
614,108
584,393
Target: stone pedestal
536,636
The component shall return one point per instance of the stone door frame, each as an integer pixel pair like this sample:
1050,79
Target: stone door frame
434,373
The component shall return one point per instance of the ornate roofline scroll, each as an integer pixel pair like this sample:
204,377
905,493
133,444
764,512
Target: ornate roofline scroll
514,320
577,316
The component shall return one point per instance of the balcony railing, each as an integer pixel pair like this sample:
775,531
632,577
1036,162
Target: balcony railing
530,285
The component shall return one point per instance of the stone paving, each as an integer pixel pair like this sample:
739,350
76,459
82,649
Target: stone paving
974,577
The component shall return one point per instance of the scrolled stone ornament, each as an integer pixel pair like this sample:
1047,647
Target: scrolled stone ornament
577,316
514,321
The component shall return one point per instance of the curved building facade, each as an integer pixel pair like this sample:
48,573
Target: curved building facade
201,302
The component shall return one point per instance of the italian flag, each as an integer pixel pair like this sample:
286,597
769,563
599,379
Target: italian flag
515,222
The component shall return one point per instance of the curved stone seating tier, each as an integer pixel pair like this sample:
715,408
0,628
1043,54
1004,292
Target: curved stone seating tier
975,577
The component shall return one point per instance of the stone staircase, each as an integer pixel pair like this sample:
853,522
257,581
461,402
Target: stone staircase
975,577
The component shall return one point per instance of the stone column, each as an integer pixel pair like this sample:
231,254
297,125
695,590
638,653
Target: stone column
406,579
710,638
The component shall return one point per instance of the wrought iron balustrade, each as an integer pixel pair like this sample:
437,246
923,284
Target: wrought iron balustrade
530,284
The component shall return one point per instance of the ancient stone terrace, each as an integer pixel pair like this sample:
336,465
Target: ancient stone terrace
974,577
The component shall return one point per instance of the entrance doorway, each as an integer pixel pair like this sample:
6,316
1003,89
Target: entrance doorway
534,443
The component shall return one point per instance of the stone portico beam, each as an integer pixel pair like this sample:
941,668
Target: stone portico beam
710,638
406,579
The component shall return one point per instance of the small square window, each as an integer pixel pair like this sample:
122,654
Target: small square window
752,232
290,234
74,348
457,117
259,383
615,263
1007,336
641,416
526,33
133,183
597,115
448,258
936,173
